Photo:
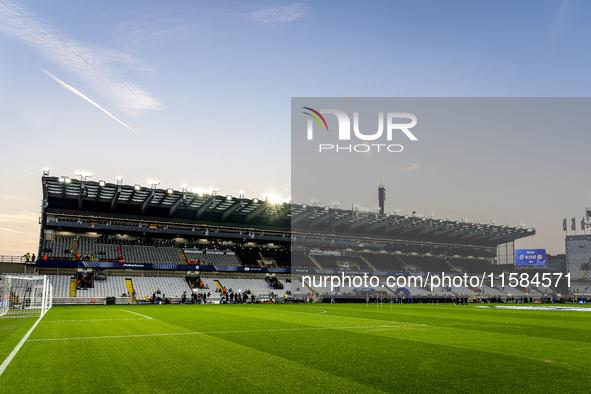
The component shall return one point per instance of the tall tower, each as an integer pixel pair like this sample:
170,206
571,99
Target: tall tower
381,196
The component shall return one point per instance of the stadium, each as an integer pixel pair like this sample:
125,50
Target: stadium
269,258
193,274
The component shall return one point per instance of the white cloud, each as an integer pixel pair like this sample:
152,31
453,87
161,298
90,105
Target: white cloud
93,66
22,217
281,14
9,230
16,198
412,167
76,92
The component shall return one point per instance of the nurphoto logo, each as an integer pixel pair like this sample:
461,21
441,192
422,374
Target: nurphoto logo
344,130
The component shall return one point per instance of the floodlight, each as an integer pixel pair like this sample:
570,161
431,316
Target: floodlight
169,191
102,183
137,187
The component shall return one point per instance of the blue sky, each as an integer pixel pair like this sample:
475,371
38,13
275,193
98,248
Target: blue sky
182,79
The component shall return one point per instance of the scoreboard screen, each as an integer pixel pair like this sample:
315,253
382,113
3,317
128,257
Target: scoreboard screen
530,257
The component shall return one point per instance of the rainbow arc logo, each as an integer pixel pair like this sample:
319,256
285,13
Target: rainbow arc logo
315,118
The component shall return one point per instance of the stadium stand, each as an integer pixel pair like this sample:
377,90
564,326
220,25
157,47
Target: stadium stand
60,247
113,286
151,254
249,256
256,286
425,263
474,266
578,255
61,285
385,262
218,259
281,257
159,231
341,262
171,287
301,260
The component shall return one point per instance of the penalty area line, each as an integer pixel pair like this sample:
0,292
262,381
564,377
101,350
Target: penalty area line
67,321
135,313
221,332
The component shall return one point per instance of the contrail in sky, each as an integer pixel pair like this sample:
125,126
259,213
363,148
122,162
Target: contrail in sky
75,91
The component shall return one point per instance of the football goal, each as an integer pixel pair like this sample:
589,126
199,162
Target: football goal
24,295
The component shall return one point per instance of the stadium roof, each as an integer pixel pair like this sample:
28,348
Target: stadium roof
70,196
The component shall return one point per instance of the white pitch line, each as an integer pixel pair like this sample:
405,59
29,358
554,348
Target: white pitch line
135,313
220,332
67,321
345,317
18,347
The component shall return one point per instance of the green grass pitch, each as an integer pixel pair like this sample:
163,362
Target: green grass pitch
298,349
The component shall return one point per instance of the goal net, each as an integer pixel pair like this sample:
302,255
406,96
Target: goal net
24,295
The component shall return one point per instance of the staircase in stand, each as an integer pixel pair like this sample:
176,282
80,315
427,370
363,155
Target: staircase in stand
368,263
266,261
73,287
219,285
315,262
129,285
183,257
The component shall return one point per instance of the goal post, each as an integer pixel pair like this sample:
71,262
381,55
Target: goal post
25,295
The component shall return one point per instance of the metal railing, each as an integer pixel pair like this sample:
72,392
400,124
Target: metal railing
12,259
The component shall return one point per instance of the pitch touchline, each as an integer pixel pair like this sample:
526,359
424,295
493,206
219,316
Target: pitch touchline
220,332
